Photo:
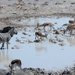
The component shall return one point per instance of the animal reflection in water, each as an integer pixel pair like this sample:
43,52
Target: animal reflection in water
71,40
4,58
40,46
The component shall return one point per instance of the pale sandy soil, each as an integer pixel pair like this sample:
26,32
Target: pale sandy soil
35,8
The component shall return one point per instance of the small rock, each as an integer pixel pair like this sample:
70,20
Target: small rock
36,40
52,40
61,44
8,73
16,47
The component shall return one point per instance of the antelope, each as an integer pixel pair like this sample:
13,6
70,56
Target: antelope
36,7
72,21
25,8
70,28
6,29
40,35
15,63
45,24
18,6
1,6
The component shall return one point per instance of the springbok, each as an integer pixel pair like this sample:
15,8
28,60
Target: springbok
15,63
18,6
72,21
25,8
36,7
70,28
39,34
45,24
1,6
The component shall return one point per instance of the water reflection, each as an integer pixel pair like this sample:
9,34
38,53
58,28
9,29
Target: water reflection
4,58
40,46
71,40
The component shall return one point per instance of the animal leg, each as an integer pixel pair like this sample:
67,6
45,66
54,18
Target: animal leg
35,37
53,28
71,32
7,44
20,67
44,28
2,45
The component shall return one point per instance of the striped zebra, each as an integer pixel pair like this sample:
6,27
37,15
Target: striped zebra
5,37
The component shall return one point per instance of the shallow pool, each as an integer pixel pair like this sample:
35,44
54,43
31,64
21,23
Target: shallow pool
45,55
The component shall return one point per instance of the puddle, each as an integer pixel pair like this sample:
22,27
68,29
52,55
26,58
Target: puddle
45,54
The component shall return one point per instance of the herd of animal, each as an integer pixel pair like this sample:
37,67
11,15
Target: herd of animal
70,28
7,33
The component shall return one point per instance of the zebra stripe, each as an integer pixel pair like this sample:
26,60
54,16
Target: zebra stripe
5,37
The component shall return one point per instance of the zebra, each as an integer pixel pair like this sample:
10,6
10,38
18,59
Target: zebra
5,37
6,29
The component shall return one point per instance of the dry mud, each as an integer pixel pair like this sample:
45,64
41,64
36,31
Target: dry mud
34,8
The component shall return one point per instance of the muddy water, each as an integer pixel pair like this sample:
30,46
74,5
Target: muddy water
45,54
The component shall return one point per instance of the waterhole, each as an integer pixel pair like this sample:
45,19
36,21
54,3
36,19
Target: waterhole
46,54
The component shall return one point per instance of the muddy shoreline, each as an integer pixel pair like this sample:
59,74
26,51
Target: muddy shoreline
38,71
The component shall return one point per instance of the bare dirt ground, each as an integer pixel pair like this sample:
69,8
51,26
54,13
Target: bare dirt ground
35,8
11,9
